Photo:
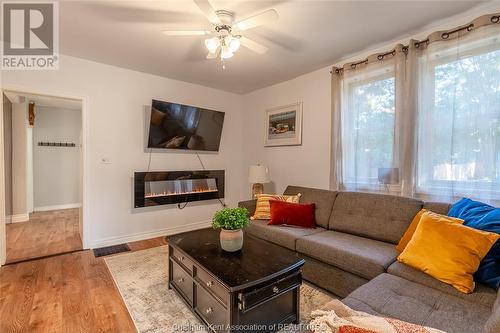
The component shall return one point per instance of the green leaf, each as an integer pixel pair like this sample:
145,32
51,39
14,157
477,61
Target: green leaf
230,219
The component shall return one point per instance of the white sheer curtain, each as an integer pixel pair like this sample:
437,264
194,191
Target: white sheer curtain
422,120
371,97
458,110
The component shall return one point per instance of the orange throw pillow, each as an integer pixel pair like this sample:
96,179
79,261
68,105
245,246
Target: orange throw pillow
414,223
448,251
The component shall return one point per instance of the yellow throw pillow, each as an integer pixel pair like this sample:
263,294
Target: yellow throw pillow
447,251
414,223
263,209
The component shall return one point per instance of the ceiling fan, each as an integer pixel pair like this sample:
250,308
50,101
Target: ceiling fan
227,34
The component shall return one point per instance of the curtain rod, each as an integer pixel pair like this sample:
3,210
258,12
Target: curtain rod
444,35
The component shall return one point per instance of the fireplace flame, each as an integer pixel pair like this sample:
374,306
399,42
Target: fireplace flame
166,193
180,187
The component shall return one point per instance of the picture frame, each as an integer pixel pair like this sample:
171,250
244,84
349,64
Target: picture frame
284,125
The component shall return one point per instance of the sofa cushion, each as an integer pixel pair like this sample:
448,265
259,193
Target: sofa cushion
358,255
482,294
493,323
392,296
377,216
331,278
281,235
322,198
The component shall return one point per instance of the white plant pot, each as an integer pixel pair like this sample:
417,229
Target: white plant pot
231,240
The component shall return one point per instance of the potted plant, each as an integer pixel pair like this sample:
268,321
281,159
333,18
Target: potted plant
231,221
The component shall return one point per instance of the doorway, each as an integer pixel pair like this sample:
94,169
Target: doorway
43,168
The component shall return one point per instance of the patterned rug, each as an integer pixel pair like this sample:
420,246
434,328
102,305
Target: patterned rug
142,279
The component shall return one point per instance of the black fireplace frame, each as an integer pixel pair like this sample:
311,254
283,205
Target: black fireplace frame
140,178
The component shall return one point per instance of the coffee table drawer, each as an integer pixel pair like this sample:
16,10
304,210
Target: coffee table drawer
212,285
182,281
250,299
182,259
211,310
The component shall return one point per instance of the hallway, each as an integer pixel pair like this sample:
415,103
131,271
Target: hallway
46,233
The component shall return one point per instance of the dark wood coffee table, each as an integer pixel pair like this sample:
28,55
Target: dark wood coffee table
253,290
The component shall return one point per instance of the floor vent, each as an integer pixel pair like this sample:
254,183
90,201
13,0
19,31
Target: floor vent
106,251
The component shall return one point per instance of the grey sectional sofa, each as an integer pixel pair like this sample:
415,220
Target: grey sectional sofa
352,254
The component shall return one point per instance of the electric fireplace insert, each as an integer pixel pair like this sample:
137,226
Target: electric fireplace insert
170,187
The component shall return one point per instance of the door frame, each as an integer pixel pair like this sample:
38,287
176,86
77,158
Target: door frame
85,221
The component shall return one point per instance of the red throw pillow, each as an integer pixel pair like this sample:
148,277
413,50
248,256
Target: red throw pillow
297,214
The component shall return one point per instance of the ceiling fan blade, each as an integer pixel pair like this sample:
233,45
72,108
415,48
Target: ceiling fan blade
214,55
253,45
207,9
257,20
185,32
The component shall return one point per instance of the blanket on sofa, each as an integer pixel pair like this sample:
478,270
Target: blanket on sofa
339,318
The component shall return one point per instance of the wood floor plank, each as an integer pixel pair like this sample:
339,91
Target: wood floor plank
17,312
148,243
46,233
68,293
46,313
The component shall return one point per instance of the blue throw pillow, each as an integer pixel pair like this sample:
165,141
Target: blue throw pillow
481,216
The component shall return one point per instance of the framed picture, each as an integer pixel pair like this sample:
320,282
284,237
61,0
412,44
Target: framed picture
284,125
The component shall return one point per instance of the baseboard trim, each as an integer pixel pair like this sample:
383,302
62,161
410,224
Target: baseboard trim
147,235
8,219
19,218
57,207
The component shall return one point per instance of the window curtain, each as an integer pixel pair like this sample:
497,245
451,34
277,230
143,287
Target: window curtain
366,100
437,136
336,151
453,83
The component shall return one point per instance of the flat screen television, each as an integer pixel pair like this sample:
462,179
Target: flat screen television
178,126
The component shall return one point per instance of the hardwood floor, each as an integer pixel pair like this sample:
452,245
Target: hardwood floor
46,233
67,293
147,244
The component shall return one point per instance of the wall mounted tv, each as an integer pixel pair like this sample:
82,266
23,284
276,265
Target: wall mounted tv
178,126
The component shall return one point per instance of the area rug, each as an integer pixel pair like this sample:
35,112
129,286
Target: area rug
142,279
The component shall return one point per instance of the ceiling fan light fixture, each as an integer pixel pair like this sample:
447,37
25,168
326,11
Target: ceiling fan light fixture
233,44
226,52
223,43
212,44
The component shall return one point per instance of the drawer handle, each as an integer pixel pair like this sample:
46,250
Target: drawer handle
210,283
275,290
209,310
180,280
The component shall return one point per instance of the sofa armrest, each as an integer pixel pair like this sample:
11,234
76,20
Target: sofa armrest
249,205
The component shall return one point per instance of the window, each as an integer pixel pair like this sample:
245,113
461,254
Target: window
422,120
459,122
369,128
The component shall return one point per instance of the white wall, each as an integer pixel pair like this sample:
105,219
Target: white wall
19,153
7,147
115,100
56,170
309,164
3,245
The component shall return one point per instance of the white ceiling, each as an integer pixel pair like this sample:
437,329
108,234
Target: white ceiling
308,35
